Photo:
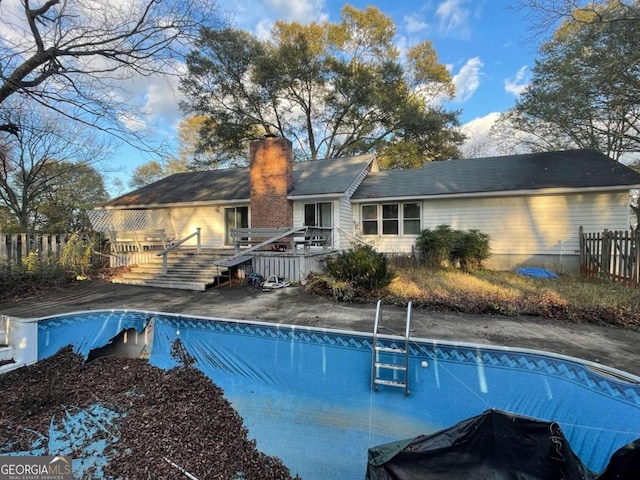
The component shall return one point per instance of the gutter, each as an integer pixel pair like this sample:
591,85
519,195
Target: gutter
207,203
502,193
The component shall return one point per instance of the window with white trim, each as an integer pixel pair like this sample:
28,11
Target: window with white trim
391,219
411,218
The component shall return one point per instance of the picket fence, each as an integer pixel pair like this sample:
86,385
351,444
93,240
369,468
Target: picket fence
15,246
611,254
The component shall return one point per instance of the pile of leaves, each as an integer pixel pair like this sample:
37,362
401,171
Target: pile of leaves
169,419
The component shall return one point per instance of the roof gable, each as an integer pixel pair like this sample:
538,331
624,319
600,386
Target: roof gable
572,169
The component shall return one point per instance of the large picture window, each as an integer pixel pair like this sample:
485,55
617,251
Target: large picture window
391,219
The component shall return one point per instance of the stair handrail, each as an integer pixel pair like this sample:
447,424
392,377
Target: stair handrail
166,251
378,321
407,332
353,237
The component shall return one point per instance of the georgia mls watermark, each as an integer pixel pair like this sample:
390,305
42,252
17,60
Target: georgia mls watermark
35,468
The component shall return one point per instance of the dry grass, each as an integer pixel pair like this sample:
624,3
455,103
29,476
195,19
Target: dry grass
567,297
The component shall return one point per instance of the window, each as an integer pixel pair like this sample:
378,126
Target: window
318,215
370,219
411,218
388,217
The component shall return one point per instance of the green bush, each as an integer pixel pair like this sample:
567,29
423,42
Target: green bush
470,249
434,246
442,246
362,267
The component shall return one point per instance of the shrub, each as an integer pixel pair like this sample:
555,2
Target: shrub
469,249
443,246
362,267
434,246
77,255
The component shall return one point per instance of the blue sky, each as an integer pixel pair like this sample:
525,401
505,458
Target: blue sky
482,42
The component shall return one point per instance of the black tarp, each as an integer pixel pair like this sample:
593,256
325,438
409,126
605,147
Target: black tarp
494,445
624,464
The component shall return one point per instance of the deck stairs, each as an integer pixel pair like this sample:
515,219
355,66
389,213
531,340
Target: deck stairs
390,353
186,270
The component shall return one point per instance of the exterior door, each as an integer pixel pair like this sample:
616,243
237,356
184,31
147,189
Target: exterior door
234,217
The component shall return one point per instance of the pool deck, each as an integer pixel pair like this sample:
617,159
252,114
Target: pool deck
612,346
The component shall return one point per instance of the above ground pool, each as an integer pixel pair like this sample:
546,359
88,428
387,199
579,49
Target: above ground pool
305,394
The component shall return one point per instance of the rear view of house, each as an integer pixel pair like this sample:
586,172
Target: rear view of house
531,205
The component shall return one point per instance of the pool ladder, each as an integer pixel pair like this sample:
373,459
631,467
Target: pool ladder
388,361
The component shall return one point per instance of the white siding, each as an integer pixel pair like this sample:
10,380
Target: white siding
520,225
345,223
532,225
210,219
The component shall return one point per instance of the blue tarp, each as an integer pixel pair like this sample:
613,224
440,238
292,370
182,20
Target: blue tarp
536,272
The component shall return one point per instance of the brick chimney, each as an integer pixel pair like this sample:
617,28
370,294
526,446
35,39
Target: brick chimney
271,171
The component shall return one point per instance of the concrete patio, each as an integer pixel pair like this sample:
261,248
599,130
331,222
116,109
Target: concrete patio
612,346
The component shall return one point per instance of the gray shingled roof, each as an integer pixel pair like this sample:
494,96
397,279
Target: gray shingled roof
329,176
573,169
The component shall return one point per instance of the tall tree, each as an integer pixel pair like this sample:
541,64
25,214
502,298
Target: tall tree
46,155
73,189
191,155
585,86
546,16
68,55
333,89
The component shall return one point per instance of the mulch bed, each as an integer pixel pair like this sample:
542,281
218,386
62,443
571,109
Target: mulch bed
175,415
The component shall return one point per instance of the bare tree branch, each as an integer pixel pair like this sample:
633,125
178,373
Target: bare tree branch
69,55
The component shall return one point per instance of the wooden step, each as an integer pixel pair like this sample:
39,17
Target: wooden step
185,270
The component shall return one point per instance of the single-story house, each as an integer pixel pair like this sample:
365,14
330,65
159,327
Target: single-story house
531,205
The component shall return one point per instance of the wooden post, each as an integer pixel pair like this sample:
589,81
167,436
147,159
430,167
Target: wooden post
583,263
4,253
636,250
605,255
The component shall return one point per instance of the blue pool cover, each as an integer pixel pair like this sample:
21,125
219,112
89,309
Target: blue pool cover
305,394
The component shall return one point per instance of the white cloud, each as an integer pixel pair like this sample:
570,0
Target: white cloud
516,85
467,80
453,16
258,16
479,142
413,23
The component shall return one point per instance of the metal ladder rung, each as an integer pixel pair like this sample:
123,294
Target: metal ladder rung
390,366
398,350
390,383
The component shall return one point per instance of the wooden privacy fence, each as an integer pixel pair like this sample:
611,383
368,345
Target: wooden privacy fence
611,254
15,246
